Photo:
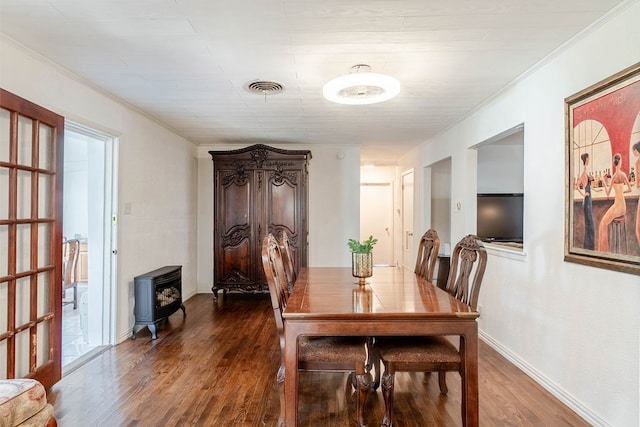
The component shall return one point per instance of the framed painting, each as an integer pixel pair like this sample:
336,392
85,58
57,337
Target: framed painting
602,227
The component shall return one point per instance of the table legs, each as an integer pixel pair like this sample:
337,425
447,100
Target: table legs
291,376
469,378
469,375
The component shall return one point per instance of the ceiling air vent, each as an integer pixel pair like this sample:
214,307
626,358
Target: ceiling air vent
265,87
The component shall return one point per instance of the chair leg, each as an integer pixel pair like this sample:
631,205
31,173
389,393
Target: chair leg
387,392
376,380
363,385
442,381
280,382
463,379
373,362
75,296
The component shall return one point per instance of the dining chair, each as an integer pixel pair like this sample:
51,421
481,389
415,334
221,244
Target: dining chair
287,259
348,354
435,353
70,251
427,254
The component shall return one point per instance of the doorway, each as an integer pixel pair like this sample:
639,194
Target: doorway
440,199
376,219
87,216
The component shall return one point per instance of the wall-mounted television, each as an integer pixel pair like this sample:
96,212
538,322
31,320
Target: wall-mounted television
500,217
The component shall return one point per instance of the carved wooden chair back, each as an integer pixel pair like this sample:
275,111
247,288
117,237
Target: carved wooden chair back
70,251
314,353
276,280
468,262
436,353
427,254
288,260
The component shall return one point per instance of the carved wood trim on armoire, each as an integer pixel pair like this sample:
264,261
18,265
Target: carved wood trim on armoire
256,190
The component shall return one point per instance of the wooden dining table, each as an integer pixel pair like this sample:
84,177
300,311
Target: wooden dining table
327,301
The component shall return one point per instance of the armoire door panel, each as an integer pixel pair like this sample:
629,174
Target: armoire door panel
282,209
236,265
234,205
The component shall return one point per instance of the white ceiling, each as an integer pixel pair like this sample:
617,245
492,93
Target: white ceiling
186,62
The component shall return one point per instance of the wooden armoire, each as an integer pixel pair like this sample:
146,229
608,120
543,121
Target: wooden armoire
256,190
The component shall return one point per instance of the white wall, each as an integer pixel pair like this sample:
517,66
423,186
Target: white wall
205,221
157,172
574,328
500,166
334,203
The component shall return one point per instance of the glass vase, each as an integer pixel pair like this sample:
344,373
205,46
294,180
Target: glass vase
362,266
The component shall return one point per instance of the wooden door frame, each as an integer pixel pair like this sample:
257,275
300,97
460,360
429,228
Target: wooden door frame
407,235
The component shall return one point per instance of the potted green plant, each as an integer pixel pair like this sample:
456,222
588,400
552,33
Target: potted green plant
362,258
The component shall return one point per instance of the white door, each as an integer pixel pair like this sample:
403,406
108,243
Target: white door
376,218
408,256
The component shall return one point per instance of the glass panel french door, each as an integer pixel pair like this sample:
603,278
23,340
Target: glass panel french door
30,240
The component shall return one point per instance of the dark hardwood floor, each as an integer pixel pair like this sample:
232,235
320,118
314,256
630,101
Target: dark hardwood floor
217,367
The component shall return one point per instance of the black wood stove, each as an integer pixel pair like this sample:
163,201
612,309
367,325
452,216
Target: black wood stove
158,294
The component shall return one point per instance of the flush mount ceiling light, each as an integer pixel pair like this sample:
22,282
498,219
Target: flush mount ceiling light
361,87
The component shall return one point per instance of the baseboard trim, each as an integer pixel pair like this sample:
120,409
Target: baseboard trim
578,407
125,335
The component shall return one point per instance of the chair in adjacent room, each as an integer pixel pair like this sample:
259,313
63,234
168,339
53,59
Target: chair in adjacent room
347,354
70,251
435,353
427,254
287,259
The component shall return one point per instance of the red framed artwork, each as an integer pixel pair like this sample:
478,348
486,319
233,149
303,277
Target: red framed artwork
602,212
